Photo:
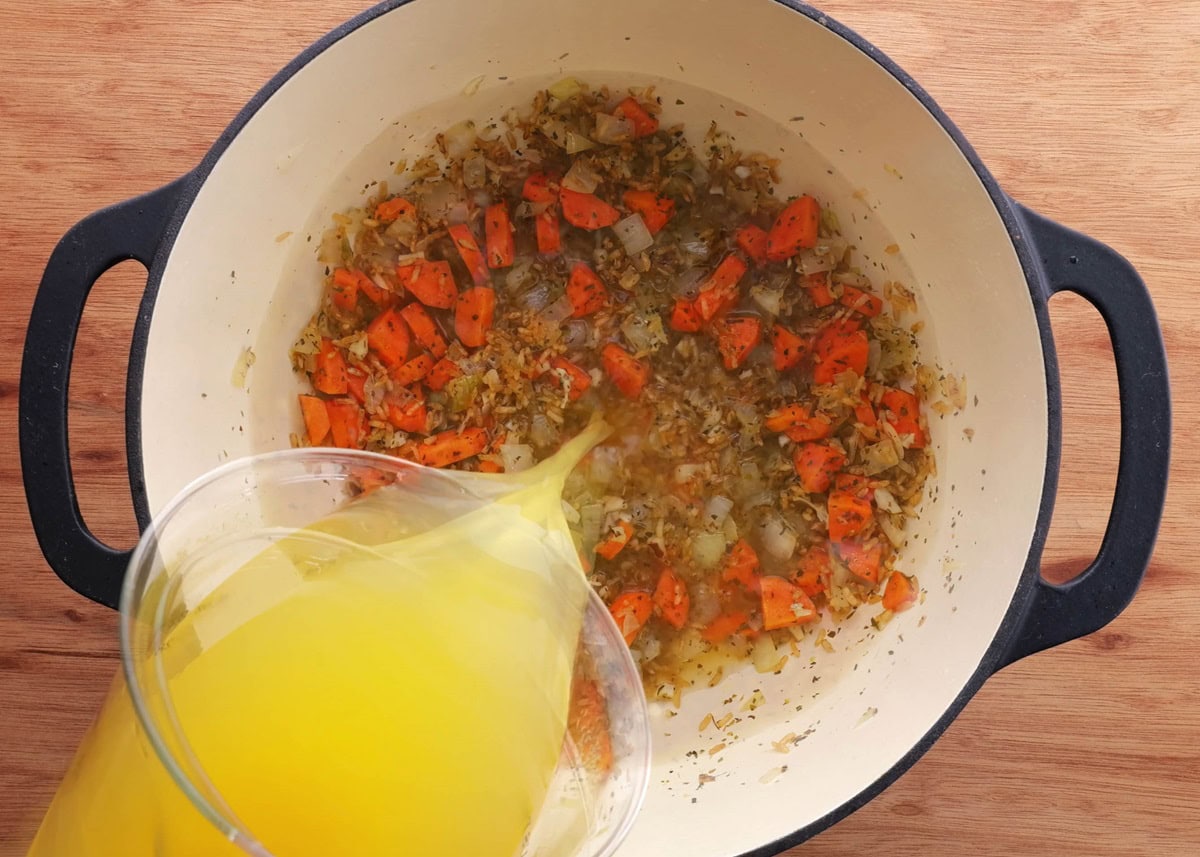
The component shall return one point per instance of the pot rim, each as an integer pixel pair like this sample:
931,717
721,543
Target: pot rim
993,657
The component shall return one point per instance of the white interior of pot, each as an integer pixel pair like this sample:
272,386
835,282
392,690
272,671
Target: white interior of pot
847,131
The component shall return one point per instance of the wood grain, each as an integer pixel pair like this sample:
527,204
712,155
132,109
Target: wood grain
1084,110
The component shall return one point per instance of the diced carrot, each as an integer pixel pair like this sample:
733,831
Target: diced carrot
853,483
498,233
442,373
316,418
631,610
902,410
626,371
899,594
389,338
474,315
356,386
588,723
685,317
671,598
741,565
549,239
579,379
448,447
864,411
789,348
815,464
863,562
618,536
412,371
376,294
798,423
487,465
347,423
408,413
817,286
736,338
656,211
587,211
719,292
330,374
586,291
839,348
344,292
394,209
468,250
424,329
784,603
753,242
794,229
861,302
537,188
848,515
643,123
813,571
432,283
724,626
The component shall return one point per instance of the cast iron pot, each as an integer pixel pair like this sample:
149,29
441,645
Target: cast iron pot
850,127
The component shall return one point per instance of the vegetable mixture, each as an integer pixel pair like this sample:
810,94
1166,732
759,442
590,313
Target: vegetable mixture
582,256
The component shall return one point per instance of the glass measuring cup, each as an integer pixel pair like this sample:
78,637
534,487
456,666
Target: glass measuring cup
143,784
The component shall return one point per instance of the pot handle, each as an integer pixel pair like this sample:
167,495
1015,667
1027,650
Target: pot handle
1076,263
128,230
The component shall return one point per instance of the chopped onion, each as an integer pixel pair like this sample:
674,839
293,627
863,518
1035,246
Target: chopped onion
517,457
764,655
687,285
562,135
558,311
570,513
730,530
458,213
566,88
651,647
874,355
603,464
884,500
812,263
750,481
717,510
767,300
581,178
878,457
535,298
894,534
778,539
633,234
540,431
686,472
519,275
474,171
459,138
708,549
613,129
591,523
644,331
577,333
705,605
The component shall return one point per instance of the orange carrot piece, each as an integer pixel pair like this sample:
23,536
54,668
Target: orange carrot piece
719,291
861,302
586,291
389,338
487,465
373,291
864,412
468,250
356,386
432,283
412,371
442,373
789,348
618,536
685,317
474,315
736,338
839,348
784,603
586,210
347,423
448,447
798,423
753,242
394,209
631,610
549,239
902,410
741,565
316,418
656,211
643,123
671,598
849,514
794,229
408,414
813,571
817,286
344,291
863,562
330,374
578,377
815,464
498,234
853,483
588,723
424,329
899,594
537,188
626,371
724,626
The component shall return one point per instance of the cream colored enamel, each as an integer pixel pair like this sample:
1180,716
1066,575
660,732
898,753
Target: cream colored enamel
329,130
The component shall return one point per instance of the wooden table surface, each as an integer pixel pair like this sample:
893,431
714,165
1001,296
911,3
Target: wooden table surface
1087,111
